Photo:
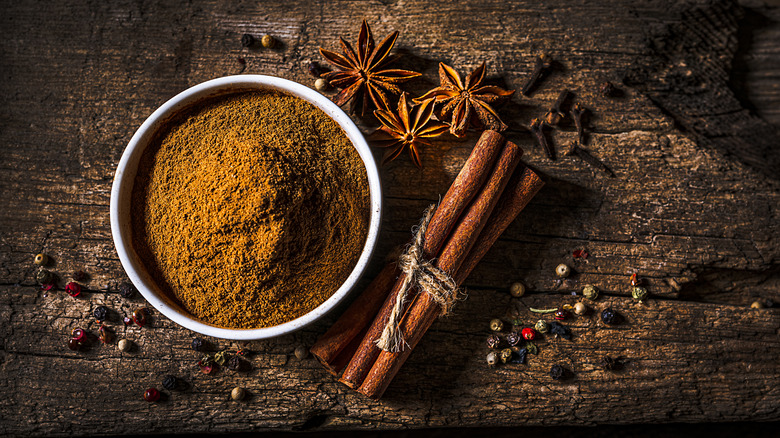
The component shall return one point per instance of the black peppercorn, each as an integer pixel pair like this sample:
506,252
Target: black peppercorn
197,344
493,341
513,339
556,372
126,289
101,313
519,356
247,40
79,275
558,329
609,316
316,70
170,382
234,363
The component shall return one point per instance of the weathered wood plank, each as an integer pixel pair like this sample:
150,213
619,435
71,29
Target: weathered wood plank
699,223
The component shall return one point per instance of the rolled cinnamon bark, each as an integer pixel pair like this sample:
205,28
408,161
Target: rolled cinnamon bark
459,260
335,342
467,184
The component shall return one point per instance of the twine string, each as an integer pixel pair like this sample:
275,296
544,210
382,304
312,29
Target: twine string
423,276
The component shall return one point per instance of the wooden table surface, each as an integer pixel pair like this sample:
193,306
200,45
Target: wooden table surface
694,209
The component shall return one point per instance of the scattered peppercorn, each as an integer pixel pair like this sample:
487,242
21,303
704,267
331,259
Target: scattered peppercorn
152,395
556,372
268,41
561,314
79,275
247,40
563,270
757,305
197,344
492,359
561,330
530,347
505,355
78,334
126,289
234,363
541,326
496,325
44,276
206,365
237,394
139,317
639,293
221,358
635,280
493,341
170,382
513,339
125,345
590,292
528,334
316,70
127,320
105,334
74,344
519,356
609,316
301,352
517,289
100,313
41,259
73,289
580,308
321,84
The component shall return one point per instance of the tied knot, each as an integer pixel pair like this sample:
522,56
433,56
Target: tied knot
422,275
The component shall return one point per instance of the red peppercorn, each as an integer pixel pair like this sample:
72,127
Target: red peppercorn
139,316
78,334
74,344
635,281
528,334
151,395
127,320
561,314
73,289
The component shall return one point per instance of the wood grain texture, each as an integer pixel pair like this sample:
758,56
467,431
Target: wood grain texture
693,209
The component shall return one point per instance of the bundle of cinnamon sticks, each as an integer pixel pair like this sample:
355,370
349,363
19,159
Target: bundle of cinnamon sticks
486,196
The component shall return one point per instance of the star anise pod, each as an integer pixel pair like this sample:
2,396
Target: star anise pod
362,75
405,129
462,100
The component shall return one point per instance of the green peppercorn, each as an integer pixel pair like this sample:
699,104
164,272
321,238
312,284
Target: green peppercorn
505,355
44,276
268,41
221,358
541,326
517,290
590,292
496,325
563,270
41,259
639,293
492,358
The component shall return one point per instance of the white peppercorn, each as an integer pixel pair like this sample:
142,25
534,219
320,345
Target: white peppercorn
124,345
237,393
563,270
517,289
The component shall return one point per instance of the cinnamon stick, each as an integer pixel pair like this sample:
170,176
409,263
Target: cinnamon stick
424,311
466,185
333,344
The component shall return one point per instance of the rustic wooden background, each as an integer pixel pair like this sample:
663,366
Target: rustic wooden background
693,209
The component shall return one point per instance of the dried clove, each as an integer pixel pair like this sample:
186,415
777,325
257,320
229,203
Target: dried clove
542,65
577,113
590,159
537,128
555,115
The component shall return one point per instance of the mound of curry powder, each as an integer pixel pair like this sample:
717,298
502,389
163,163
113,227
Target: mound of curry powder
250,209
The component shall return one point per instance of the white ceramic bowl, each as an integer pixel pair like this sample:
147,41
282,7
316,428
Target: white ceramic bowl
121,194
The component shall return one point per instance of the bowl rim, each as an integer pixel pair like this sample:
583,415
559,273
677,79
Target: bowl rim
120,204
